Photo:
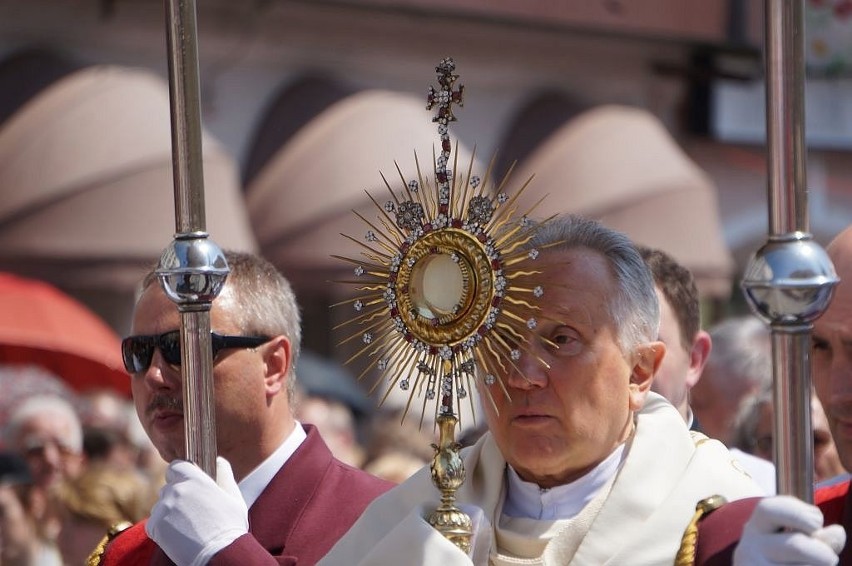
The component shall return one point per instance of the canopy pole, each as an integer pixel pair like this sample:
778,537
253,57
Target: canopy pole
192,269
790,280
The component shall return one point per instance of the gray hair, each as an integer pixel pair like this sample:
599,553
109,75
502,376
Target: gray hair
748,416
39,405
742,354
635,309
266,303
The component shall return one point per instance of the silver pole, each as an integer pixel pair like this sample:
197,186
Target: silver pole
790,280
785,117
192,269
186,116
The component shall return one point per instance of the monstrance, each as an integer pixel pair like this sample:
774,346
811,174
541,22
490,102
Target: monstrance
442,300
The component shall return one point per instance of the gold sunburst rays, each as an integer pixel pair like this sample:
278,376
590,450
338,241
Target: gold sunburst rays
445,284
448,284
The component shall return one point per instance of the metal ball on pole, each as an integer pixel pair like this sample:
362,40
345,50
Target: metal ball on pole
790,280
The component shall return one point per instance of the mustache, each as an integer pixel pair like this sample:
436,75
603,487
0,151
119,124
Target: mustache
164,402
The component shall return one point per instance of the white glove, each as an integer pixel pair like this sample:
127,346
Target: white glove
786,530
196,517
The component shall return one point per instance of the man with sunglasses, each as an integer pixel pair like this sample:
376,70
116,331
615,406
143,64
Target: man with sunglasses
279,497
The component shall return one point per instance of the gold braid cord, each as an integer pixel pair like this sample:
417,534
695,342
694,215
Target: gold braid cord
97,554
444,296
689,542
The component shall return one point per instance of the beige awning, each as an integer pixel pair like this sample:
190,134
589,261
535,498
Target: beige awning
619,164
87,185
303,199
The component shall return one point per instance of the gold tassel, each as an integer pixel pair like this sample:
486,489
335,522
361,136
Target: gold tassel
689,542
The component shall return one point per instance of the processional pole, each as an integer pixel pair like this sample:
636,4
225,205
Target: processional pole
192,269
790,280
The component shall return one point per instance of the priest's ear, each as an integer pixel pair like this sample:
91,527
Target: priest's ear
646,361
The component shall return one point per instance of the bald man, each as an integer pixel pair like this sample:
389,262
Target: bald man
783,529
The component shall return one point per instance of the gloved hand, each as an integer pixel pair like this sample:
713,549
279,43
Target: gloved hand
786,530
196,517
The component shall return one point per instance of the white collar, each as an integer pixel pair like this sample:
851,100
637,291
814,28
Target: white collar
256,481
526,499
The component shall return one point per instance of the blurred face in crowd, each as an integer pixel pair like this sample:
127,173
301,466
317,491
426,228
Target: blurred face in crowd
832,351
245,382
716,403
336,425
567,416
764,431
826,460
44,443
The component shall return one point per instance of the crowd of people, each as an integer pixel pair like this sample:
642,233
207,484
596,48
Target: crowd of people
72,468
620,370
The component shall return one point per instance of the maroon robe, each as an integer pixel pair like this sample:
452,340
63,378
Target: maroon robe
309,504
834,502
720,531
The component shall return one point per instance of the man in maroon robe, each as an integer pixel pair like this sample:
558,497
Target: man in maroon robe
784,530
280,497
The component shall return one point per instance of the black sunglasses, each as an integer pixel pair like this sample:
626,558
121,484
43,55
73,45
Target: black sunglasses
138,351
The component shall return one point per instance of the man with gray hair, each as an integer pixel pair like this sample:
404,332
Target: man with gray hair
582,463
46,431
739,367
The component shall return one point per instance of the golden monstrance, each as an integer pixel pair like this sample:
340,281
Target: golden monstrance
441,297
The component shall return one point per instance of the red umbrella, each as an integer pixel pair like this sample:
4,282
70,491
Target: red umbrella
41,325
